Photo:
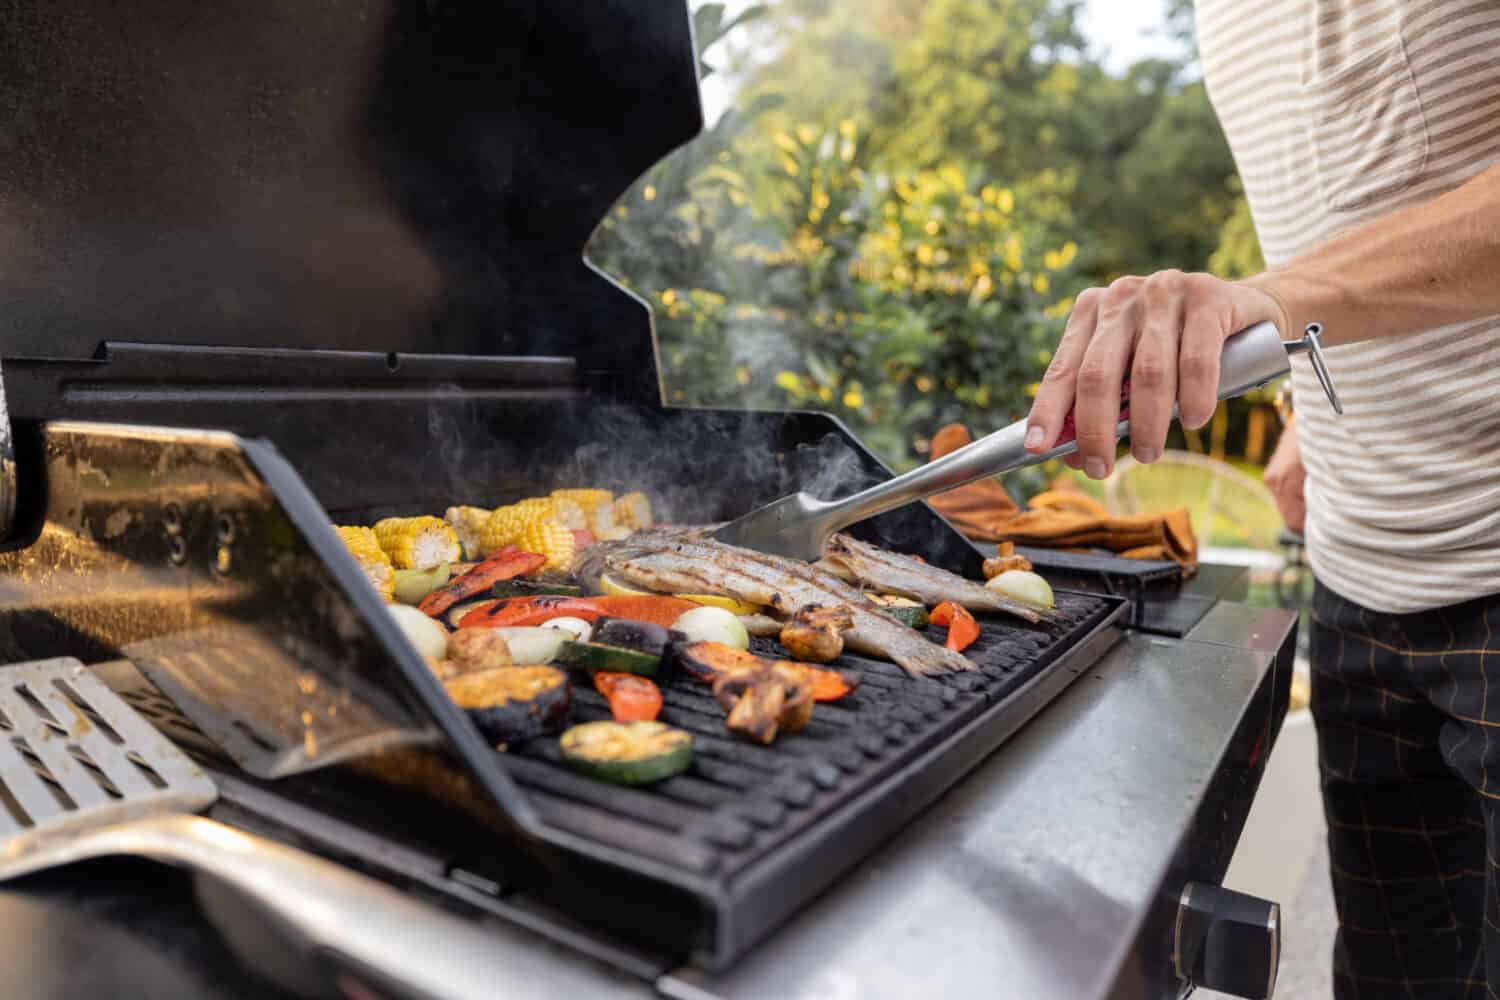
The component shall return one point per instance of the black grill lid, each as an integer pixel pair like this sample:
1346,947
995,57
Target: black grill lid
381,176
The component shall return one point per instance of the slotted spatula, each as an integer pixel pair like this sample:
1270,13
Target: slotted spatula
83,776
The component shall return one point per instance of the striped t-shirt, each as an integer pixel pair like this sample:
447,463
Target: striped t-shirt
1337,112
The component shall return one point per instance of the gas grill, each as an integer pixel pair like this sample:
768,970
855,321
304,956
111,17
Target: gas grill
298,265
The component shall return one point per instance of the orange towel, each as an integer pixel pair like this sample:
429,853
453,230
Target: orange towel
1059,519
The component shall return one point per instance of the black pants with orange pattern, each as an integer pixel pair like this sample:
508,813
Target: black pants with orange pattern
1408,716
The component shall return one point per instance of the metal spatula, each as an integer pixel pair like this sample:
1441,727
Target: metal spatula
83,776
799,525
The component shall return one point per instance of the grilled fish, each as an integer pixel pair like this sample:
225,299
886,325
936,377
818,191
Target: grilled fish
890,573
682,562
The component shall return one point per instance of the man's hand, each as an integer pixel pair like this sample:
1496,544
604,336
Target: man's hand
1164,333
1286,477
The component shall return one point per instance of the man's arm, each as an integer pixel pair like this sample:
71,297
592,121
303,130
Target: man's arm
1421,267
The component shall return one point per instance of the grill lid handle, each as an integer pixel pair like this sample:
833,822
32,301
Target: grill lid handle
1227,941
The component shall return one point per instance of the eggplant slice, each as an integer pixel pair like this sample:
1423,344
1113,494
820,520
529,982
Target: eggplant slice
511,704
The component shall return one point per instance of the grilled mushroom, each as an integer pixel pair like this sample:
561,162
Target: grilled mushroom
816,633
765,699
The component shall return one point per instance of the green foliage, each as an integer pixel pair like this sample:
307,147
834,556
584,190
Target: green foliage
894,219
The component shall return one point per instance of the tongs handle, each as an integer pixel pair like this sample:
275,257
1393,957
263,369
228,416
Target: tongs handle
1251,358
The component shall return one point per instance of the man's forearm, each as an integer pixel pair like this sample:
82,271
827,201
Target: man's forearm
1424,266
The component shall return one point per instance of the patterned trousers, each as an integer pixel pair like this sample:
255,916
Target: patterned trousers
1408,718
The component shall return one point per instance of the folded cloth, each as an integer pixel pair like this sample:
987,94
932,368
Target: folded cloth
1141,536
978,508
1059,519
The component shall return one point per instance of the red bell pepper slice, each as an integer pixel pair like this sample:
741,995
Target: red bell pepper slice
962,628
522,611
631,698
505,564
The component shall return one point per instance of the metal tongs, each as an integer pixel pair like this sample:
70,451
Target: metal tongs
797,526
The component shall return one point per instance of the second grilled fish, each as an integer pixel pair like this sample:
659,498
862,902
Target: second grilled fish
890,573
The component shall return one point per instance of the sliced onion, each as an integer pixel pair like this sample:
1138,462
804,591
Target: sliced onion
1024,586
578,628
430,638
709,624
534,647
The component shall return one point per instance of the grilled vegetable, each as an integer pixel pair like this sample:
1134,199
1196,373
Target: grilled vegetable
365,548
903,609
535,525
456,614
577,628
417,542
1005,559
644,637
582,539
627,753
479,649
534,588
816,634
537,610
529,647
614,659
631,698
962,628
708,661
706,624
765,699
468,524
633,511
569,513
1024,586
413,585
430,638
510,704
504,564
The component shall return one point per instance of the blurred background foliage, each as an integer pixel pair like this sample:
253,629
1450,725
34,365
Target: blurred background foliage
893,219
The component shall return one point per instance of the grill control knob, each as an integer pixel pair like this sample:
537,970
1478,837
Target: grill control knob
1227,941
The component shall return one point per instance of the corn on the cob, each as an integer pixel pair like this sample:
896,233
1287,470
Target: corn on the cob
598,512
548,536
633,511
535,526
570,513
417,542
468,524
365,548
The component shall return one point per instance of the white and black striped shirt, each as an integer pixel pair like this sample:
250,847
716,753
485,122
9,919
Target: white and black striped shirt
1337,112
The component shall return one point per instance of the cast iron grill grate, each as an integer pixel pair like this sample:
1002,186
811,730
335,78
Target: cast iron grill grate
740,801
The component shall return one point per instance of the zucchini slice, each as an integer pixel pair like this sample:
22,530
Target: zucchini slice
627,753
455,614
510,704
903,609
601,656
535,588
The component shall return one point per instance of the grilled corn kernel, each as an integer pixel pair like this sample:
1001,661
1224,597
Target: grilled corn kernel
417,542
549,537
633,511
365,548
468,524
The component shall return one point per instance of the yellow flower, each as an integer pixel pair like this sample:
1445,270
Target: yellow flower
1041,284
923,383
788,381
1007,200
924,254
786,142
854,399
668,297
825,394
848,128
742,375
650,193
808,134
